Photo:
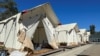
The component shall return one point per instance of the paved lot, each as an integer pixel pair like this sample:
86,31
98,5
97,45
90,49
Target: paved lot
73,52
86,50
92,51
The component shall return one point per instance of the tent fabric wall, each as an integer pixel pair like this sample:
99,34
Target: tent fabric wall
24,39
31,24
39,36
50,32
83,34
73,39
9,31
2,32
79,36
62,37
88,35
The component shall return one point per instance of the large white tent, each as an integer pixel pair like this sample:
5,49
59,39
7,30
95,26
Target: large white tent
83,36
68,33
61,35
88,36
36,24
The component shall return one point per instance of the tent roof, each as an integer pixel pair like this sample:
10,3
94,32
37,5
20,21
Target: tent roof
82,31
88,33
68,27
43,9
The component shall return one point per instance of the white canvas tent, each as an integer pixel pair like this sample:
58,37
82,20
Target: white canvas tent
83,36
68,33
36,24
88,36
61,34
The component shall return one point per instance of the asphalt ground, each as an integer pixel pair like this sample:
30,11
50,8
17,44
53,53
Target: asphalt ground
92,51
73,52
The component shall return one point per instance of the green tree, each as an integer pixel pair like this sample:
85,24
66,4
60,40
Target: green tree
7,9
92,29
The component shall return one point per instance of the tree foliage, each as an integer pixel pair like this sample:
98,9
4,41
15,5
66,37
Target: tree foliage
7,9
92,29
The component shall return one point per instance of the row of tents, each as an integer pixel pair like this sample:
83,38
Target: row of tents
39,27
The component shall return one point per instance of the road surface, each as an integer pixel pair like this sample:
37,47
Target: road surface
92,51
86,50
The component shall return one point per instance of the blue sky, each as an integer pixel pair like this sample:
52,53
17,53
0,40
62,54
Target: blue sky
84,12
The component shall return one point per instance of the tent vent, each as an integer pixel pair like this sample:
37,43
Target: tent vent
59,24
25,11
